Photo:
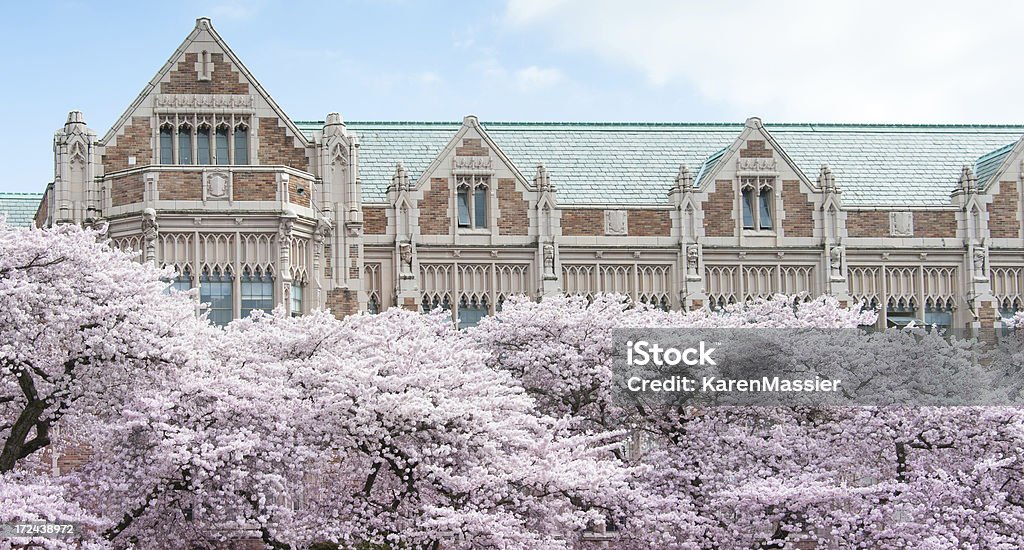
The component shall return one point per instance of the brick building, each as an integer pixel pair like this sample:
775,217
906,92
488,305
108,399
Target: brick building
205,172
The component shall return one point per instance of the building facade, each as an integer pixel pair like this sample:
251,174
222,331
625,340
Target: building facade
206,173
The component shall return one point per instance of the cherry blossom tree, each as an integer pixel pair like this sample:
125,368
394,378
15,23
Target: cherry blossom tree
80,325
758,477
387,430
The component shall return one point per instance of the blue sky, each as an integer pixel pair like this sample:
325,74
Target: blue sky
547,60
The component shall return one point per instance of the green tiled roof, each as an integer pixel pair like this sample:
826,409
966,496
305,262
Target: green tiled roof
19,208
636,163
987,164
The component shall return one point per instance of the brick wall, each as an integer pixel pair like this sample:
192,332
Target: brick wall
184,78
375,221
583,222
939,223
342,302
137,141
718,216
648,223
1003,220
126,190
756,149
254,186
471,147
434,218
277,147
294,197
514,219
867,223
799,220
353,261
181,186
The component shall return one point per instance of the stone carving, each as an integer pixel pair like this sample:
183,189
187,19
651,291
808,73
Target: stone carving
826,180
684,179
751,164
218,185
150,232
542,180
191,103
692,256
968,181
979,256
472,163
405,257
549,262
400,181
615,222
901,224
835,263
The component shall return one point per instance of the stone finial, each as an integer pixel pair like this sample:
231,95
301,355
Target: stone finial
76,117
684,179
542,180
753,122
826,180
332,119
203,23
470,120
400,180
968,181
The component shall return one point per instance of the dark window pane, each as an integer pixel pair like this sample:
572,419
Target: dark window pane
216,290
184,146
463,207
166,146
296,299
222,146
748,209
241,146
766,208
203,146
257,293
480,207
470,312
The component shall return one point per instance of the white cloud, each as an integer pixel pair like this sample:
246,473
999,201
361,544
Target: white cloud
535,78
800,60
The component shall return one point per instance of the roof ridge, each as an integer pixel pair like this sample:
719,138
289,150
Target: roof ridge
20,193
599,124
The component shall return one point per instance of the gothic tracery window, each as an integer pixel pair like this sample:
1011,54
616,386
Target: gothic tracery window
471,199
257,291
756,202
184,144
166,144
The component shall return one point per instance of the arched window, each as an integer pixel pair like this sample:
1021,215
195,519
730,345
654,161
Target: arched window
203,145
241,144
471,310
471,201
756,203
184,144
257,292
748,208
216,289
480,206
166,144
223,157
765,213
464,200
183,282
